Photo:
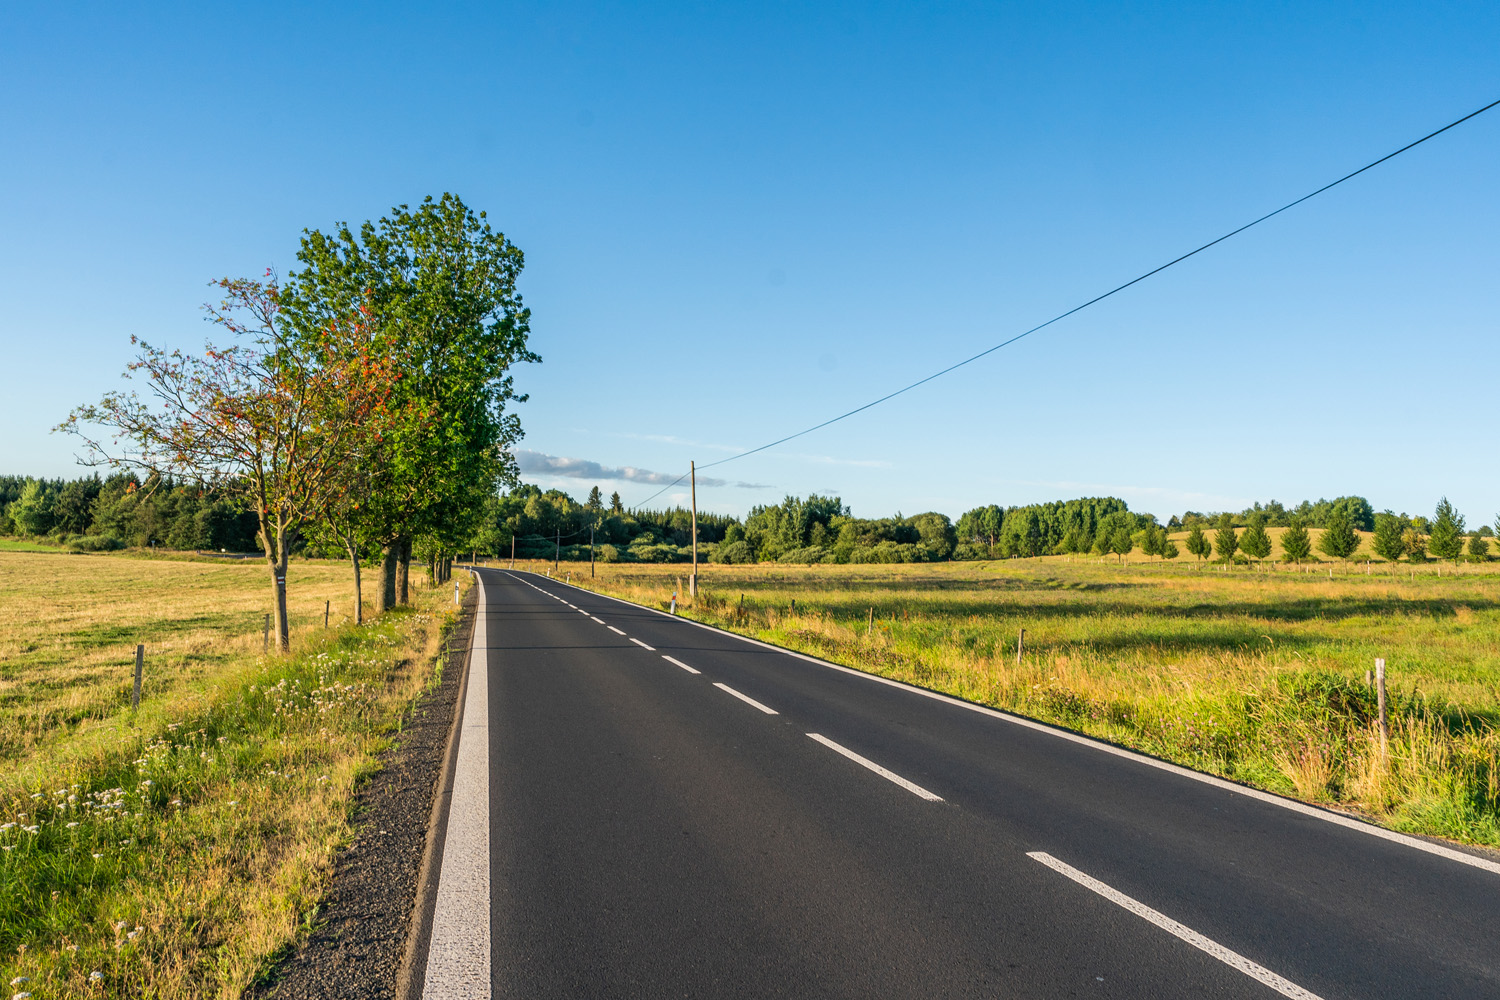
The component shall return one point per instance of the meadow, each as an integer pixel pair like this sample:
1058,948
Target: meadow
173,850
1256,675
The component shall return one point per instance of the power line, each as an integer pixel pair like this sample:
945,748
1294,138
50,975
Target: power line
1083,306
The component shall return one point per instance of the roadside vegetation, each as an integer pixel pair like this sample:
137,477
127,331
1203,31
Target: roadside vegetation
1259,677
172,851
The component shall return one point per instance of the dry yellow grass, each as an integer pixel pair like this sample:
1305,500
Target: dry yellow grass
176,849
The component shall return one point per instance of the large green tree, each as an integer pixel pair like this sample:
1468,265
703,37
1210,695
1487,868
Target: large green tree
1339,539
1446,540
1225,540
1387,541
435,287
1198,543
1256,542
1296,545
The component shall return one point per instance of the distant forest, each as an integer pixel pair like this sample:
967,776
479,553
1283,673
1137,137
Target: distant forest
95,513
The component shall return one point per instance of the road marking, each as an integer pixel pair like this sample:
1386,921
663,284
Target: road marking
679,663
1337,819
642,644
614,630
742,697
458,955
892,776
599,620
1233,959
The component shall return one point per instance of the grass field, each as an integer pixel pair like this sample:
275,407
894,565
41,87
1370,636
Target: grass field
173,850
1254,675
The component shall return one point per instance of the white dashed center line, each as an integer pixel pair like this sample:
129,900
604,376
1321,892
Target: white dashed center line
614,630
892,776
679,663
1230,958
642,644
599,620
745,698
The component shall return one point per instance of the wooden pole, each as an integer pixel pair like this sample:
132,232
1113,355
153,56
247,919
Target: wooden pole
265,636
870,623
135,693
512,550
591,552
557,556
326,608
1385,725
1020,644
693,579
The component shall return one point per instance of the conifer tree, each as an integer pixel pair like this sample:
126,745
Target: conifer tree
616,506
1446,539
1168,549
1479,548
1255,542
1198,544
1225,541
1339,540
1388,543
1151,540
1296,546
596,500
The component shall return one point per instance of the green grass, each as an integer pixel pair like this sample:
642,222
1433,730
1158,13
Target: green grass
1255,676
173,850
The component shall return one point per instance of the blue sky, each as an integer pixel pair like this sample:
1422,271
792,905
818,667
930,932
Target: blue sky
740,220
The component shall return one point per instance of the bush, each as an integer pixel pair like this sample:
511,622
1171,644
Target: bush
807,555
734,552
95,543
970,552
610,553
889,552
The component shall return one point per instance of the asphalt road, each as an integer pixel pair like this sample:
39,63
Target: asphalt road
656,809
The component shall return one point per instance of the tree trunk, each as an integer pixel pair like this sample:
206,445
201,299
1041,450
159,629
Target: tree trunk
403,573
276,561
359,606
387,597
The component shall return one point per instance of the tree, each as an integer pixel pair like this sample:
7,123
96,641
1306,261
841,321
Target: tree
1120,542
1169,549
616,505
596,500
1255,542
1446,540
1152,539
32,511
1339,539
1198,544
1387,541
436,287
1225,540
1296,546
1479,549
266,420
1414,541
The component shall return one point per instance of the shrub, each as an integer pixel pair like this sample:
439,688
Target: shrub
95,543
737,551
806,555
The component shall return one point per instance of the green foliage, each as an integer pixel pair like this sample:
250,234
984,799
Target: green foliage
1168,549
1479,549
1296,543
1446,540
32,512
1225,540
1388,542
1198,543
1339,539
1256,542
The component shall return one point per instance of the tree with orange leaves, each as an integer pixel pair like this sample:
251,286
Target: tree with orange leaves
269,419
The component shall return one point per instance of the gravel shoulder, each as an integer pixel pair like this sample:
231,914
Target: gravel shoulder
359,946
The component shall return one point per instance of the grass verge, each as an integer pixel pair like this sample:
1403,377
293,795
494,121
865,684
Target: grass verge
173,851
1254,676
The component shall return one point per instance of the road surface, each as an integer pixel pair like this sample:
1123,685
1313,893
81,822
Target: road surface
644,807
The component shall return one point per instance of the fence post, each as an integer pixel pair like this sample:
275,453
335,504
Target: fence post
325,612
1020,644
265,636
1385,725
870,623
135,694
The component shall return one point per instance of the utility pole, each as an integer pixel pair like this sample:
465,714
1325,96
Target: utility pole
693,580
512,550
591,552
557,558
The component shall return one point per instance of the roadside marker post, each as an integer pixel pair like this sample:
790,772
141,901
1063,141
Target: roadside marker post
135,694
1385,726
674,602
1020,644
455,594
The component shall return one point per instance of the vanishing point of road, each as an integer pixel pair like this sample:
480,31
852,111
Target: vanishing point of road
640,806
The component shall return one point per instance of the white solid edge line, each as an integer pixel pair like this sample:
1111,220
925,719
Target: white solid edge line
888,775
1233,959
745,698
614,630
1337,819
599,620
458,952
679,663
642,644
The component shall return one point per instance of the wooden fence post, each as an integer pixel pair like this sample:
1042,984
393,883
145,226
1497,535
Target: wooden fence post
325,612
265,636
1020,645
135,694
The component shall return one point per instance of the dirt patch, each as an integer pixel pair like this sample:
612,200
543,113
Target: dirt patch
358,945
